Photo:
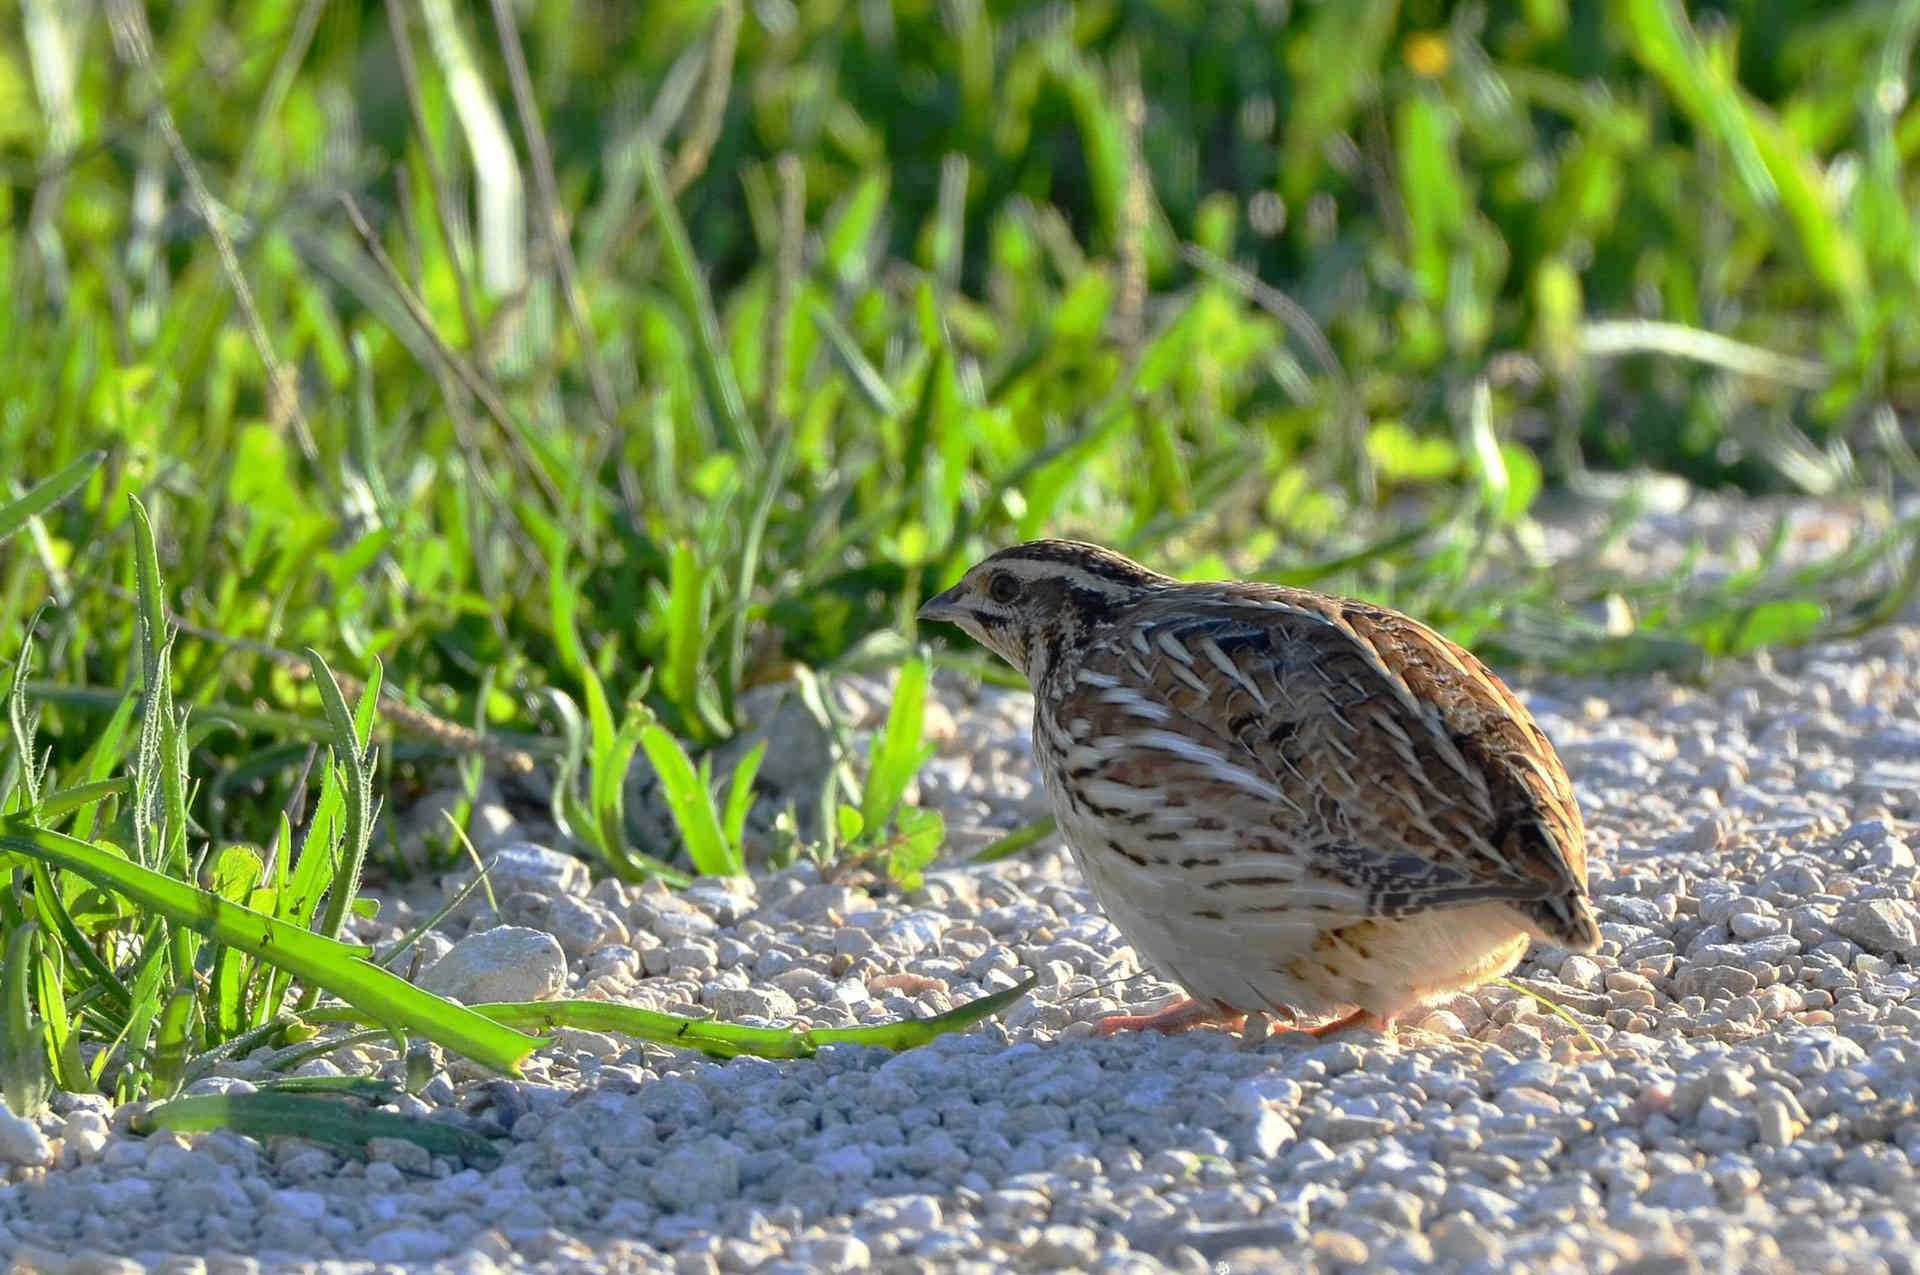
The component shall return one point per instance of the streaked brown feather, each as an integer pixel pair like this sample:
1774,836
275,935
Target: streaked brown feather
1275,792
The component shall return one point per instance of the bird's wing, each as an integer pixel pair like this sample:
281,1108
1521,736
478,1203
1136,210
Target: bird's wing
1309,755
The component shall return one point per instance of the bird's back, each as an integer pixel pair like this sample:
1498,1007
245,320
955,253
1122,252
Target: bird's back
1339,758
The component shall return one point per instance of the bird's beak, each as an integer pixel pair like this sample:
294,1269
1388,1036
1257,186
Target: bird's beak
943,606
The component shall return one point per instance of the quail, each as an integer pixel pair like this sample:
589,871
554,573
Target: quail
1297,807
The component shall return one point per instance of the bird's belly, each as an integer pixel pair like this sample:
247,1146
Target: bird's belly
1302,961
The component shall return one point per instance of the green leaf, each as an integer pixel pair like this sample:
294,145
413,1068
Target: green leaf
1014,842
691,803
63,1042
911,1033
26,1077
322,962
731,1040
897,751
866,378
356,784
171,1041
47,493
689,284
366,1088
332,1121
733,824
23,721
916,845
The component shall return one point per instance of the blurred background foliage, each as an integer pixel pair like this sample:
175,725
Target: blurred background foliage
532,348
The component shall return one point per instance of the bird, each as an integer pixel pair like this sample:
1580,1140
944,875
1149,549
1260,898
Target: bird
1309,812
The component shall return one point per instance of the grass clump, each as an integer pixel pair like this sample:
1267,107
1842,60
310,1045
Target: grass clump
139,955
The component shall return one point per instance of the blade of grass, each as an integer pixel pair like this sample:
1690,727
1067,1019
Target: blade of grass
691,803
26,1076
63,1043
319,961
733,822
898,752
690,289
1014,842
172,1040
47,493
357,788
731,1040
365,1088
331,1121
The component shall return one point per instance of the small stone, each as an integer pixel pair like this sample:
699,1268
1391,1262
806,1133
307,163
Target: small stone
525,865
21,1142
1713,981
1061,1247
725,901
1776,1123
1343,1247
402,1153
832,1253
583,926
753,1002
695,1173
1688,1192
1460,1239
1269,1132
1582,972
817,902
1881,925
1891,853
408,1244
507,963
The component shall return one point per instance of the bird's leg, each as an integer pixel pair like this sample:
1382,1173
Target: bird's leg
1180,1016
1365,1019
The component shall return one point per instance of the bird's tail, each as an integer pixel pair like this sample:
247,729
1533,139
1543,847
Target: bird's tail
1565,920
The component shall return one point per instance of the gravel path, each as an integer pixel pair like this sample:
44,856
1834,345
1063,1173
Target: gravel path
1754,1104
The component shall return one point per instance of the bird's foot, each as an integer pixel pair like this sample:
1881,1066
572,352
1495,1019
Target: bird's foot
1260,1026
1180,1016
1364,1019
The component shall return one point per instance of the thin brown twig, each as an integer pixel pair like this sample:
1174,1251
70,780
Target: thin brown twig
452,736
476,384
133,41
788,264
711,113
696,147
291,56
554,220
1130,302
450,393
1295,317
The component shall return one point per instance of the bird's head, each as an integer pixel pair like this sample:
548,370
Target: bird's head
1030,602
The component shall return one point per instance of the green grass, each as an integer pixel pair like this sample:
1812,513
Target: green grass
139,956
511,400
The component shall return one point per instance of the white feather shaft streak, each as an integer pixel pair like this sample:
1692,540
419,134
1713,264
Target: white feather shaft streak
1231,671
1213,765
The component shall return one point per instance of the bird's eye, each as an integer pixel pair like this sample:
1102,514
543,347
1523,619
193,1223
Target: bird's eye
1004,588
